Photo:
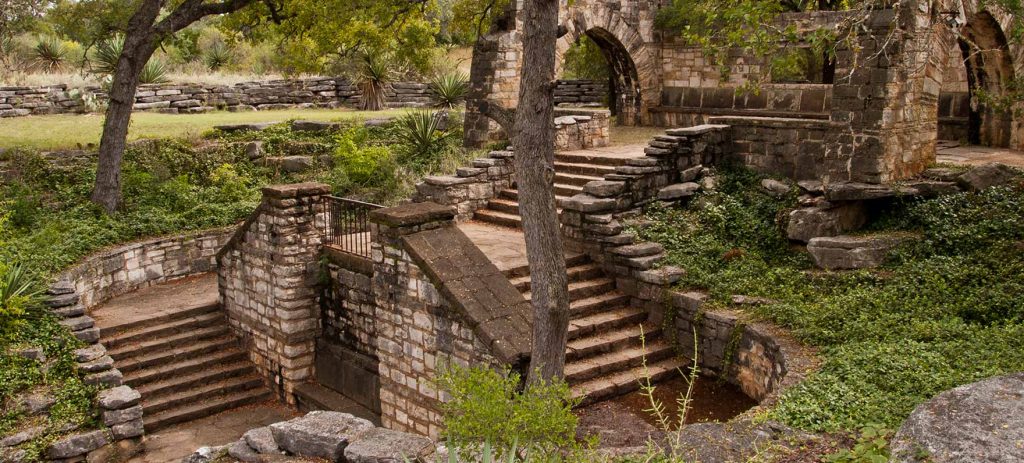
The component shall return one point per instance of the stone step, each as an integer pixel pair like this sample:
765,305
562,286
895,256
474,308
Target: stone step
593,170
589,158
513,195
200,309
615,362
213,373
524,270
575,273
600,303
565,190
608,341
504,206
176,340
574,179
498,218
606,321
183,367
579,290
609,386
207,391
179,354
169,328
157,421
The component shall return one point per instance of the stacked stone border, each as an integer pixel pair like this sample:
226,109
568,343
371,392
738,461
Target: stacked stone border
99,278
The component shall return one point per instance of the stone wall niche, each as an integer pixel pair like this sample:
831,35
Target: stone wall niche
267,276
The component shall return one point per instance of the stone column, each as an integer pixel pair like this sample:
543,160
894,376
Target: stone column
268,275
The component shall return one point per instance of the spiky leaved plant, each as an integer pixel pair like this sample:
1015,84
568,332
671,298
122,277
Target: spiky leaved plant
154,72
421,137
50,54
450,88
105,55
218,56
373,82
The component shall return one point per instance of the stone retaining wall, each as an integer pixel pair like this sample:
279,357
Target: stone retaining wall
470,187
577,129
581,92
690,106
793,148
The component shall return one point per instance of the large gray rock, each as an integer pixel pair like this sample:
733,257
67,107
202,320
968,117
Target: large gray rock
986,176
852,252
825,220
983,421
320,434
314,126
678,191
118,398
261,440
775,188
853,191
381,445
290,164
206,454
78,444
254,127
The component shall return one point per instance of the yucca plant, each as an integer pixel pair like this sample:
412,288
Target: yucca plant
18,292
218,56
106,54
420,135
50,54
154,72
450,88
373,81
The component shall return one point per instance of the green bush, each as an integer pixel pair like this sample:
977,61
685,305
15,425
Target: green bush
487,407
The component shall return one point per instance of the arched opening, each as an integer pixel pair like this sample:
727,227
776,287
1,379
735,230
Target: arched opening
618,69
988,69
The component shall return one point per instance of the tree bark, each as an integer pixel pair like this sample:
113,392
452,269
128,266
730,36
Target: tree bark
141,39
533,139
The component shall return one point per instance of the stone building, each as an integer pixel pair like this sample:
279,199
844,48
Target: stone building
914,80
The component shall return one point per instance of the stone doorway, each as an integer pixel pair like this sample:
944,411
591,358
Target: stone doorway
985,57
624,92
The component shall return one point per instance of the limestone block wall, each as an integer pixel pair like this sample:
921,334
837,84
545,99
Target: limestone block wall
577,129
689,106
470,187
18,101
794,148
267,276
572,92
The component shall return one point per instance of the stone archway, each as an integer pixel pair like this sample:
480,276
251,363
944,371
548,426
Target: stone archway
625,94
989,66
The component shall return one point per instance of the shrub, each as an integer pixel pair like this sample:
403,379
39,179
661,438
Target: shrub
107,53
154,72
218,56
374,78
50,54
450,88
18,293
487,407
423,142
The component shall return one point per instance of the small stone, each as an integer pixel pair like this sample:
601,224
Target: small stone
36,403
261,440
853,191
775,188
691,174
128,430
242,452
603,188
638,250
206,454
708,182
381,445
111,377
813,222
987,176
118,398
663,276
34,353
255,127
254,150
678,191
22,437
811,186
588,203
88,335
852,252
314,126
78,444
941,174
101,364
90,353
320,434
739,299
62,300
113,417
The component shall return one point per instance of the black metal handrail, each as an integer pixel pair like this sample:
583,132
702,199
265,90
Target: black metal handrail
348,225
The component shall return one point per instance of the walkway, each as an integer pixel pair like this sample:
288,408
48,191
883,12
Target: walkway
954,153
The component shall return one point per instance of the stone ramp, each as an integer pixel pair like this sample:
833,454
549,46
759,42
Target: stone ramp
173,344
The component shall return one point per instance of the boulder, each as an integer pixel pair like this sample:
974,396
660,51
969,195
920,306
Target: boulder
678,191
252,127
118,398
314,126
811,186
986,176
381,445
852,252
290,164
941,174
77,444
261,440
983,421
825,220
320,434
691,174
254,150
242,452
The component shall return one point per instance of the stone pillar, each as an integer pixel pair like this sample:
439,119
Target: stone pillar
268,275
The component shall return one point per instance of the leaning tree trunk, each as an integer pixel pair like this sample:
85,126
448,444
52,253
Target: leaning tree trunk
533,139
107,192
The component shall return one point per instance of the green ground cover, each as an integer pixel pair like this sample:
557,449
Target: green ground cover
68,131
944,311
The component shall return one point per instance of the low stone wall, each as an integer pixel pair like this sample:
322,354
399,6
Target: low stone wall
573,92
134,266
954,113
471,187
793,148
690,106
51,99
577,129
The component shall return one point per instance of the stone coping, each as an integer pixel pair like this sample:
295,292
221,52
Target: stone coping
784,122
296,190
412,214
490,305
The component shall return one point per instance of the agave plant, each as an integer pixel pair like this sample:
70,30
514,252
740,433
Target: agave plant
50,54
218,56
421,135
450,88
374,79
106,54
18,291
154,72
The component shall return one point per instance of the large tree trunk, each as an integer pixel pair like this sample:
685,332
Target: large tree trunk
533,139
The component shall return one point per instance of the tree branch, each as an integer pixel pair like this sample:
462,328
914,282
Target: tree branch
503,116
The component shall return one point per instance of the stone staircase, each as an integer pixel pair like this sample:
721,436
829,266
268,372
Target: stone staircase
572,171
186,363
604,355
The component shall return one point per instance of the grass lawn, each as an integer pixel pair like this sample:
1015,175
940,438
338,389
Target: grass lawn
68,131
